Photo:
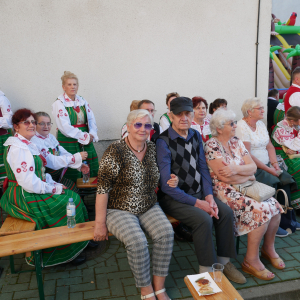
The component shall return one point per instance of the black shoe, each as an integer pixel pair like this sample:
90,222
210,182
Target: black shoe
1,270
92,244
178,237
184,232
80,259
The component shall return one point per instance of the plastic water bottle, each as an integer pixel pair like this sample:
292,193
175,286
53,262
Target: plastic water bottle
71,213
86,177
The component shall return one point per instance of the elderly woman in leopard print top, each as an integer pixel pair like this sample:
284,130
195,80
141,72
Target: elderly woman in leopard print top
126,204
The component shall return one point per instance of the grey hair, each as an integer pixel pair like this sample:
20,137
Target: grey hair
219,118
41,114
136,114
249,104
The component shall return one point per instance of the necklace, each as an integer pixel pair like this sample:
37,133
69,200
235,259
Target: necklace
133,148
249,124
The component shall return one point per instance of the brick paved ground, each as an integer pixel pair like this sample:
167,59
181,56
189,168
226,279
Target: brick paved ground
108,276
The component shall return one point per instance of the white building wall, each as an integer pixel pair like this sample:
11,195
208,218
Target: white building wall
126,50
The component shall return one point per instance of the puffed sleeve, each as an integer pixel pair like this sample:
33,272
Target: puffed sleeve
64,125
109,169
22,164
5,120
91,121
282,137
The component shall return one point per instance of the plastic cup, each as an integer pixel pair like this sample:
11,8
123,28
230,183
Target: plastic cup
218,272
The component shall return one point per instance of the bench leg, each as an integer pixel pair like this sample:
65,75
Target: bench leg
12,264
38,271
237,244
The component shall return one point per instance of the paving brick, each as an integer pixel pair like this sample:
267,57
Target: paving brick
182,273
24,278
131,290
68,281
97,294
169,282
6,296
293,249
102,281
15,287
174,268
179,283
123,264
121,255
183,263
291,263
82,287
116,287
91,263
118,275
184,253
128,281
83,266
76,296
284,255
26,294
174,293
75,273
62,292
57,275
110,269
185,292
88,275
137,297
288,275
49,287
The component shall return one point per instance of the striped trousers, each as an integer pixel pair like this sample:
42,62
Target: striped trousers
130,228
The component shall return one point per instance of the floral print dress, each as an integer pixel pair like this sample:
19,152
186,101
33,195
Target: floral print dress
248,213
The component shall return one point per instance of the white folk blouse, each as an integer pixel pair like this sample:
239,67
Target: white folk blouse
63,121
5,120
21,161
62,158
287,136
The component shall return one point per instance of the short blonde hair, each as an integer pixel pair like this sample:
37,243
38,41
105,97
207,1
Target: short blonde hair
219,118
136,114
249,104
68,75
134,104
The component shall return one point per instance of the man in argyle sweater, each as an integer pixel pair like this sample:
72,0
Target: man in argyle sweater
180,152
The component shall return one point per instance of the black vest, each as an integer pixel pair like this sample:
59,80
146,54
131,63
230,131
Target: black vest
184,162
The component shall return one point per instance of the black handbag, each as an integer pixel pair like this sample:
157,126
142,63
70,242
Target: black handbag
288,217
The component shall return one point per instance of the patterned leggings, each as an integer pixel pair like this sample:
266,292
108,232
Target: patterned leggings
128,228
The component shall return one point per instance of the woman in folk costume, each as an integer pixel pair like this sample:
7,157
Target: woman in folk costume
200,121
32,195
60,158
5,129
286,133
77,129
164,120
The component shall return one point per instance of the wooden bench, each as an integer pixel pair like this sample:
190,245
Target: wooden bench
19,236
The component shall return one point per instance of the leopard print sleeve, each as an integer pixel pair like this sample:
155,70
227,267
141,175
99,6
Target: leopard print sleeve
109,168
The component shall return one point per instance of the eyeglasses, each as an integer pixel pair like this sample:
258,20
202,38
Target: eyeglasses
232,123
43,124
260,108
27,123
139,125
151,111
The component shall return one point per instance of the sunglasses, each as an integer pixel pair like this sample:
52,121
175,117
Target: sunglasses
139,125
232,123
27,123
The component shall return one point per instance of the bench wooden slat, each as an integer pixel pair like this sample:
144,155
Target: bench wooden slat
46,238
15,225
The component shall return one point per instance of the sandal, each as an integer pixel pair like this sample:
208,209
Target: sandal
147,296
274,261
161,291
263,275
